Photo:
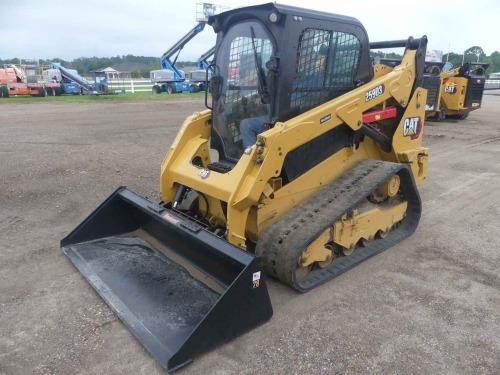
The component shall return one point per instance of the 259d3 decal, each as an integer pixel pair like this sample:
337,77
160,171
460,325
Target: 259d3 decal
375,92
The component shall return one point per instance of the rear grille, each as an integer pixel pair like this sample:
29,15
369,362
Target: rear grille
475,89
433,84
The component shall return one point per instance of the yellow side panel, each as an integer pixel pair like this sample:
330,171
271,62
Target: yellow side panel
453,93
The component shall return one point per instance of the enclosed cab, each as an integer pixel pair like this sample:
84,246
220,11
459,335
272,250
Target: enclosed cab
291,60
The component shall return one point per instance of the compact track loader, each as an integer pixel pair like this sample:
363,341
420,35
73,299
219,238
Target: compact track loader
329,181
460,89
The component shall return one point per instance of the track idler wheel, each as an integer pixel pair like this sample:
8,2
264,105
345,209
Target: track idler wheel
346,251
319,252
383,233
302,271
329,259
367,242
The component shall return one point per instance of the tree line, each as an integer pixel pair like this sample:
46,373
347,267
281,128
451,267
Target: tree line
472,54
475,54
142,65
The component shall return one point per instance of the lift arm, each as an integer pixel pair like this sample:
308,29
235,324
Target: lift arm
66,73
165,60
203,60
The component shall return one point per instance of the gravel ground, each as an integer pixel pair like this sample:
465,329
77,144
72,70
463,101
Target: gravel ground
430,305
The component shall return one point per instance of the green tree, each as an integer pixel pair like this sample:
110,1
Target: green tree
474,54
494,63
453,58
135,73
146,69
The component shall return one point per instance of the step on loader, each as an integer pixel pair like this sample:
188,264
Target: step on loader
304,164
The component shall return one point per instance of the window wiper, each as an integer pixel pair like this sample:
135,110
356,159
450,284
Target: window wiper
262,89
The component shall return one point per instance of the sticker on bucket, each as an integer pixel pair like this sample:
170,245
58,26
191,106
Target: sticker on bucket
256,279
170,218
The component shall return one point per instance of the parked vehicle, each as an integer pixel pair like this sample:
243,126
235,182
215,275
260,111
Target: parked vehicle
174,80
25,80
69,77
56,73
202,75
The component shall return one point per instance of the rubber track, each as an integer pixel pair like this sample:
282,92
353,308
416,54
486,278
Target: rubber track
283,241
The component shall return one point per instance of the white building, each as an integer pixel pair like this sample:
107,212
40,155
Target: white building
115,74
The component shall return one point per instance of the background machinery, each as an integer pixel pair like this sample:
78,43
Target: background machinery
7,78
67,78
203,61
330,181
169,78
461,89
73,83
202,76
26,79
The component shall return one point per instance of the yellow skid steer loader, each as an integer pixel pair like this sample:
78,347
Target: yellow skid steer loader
304,164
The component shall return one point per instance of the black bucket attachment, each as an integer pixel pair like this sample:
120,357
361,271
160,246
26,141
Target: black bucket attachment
180,289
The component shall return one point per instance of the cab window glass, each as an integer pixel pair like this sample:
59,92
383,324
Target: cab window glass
326,62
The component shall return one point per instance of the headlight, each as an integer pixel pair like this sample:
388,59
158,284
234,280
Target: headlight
273,17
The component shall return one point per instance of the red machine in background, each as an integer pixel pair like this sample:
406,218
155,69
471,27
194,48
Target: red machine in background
25,80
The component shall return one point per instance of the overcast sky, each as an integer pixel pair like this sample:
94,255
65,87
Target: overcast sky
68,29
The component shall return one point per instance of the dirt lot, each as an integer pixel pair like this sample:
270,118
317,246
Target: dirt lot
430,305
